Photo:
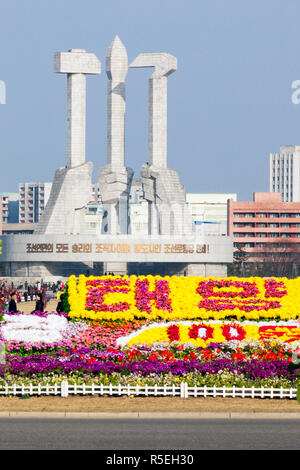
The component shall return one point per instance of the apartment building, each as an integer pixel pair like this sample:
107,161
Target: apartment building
10,207
33,198
263,224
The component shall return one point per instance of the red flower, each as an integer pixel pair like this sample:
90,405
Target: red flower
173,333
201,331
233,332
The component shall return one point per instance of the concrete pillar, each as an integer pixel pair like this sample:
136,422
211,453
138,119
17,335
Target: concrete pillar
196,269
118,268
157,122
76,118
164,64
114,178
216,270
153,219
76,63
206,269
116,70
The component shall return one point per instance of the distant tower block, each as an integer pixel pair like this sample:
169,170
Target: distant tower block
72,185
76,64
114,178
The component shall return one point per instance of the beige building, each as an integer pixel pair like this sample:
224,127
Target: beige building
209,212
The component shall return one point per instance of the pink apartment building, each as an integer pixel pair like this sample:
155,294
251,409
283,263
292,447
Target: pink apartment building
264,223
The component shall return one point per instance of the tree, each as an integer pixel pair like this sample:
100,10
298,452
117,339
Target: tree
240,257
278,260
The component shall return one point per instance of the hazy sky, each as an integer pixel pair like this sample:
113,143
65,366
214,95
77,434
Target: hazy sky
229,103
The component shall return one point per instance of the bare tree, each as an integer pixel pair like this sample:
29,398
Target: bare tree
278,260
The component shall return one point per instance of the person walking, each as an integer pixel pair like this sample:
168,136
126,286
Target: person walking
60,305
12,306
39,304
2,302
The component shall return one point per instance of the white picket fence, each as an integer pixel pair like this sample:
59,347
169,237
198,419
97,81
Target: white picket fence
182,390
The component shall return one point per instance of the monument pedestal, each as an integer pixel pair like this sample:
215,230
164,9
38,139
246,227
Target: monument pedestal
206,270
115,186
71,191
115,268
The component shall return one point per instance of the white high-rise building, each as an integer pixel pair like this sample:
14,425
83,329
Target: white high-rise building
33,198
285,173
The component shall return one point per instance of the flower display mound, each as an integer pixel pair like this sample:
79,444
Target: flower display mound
22,333
41,330
202,334
182,298
160,330
33,328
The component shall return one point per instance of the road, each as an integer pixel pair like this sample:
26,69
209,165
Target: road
138,434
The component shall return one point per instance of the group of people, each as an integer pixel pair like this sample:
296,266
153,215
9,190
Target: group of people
10,296
39,304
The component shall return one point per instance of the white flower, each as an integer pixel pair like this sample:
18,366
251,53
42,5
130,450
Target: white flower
33,329
202,332
233,332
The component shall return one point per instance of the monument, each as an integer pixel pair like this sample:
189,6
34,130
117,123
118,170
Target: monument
72,184
60,244
114,178
161,185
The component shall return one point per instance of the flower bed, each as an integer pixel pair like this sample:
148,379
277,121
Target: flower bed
182,298
202,334
160,331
